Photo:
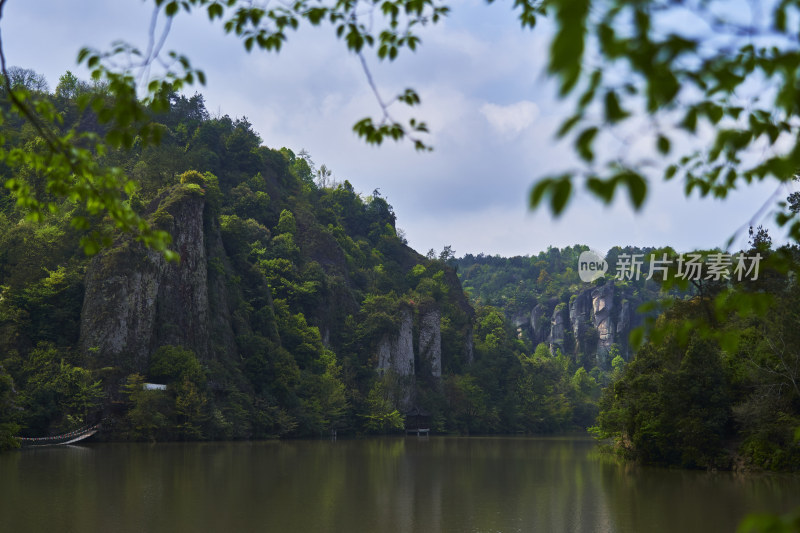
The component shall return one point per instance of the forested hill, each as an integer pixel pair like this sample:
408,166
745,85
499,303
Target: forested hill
294,309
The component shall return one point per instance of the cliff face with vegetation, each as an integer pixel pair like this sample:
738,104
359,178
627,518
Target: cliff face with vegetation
595,319
548,303
136,301
294,308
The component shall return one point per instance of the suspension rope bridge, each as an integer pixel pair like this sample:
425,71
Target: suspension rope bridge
66,438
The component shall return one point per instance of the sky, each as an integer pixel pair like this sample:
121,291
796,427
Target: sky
491,109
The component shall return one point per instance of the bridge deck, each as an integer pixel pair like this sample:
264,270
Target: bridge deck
67,438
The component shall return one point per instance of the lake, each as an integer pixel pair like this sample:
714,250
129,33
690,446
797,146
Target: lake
386,485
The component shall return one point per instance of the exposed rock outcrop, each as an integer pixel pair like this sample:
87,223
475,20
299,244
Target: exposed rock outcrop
580,317
558,328
430,343
590,326
602,307
136,301
397,353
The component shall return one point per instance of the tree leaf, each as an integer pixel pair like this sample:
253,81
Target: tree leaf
613,110
561,193
637,187
584,143
663,144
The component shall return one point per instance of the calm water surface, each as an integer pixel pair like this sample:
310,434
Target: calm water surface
436,484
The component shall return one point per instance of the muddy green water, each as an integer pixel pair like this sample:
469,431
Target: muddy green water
411,484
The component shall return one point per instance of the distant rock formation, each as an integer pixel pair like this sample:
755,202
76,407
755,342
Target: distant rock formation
469,349
595,319
602,307
559,328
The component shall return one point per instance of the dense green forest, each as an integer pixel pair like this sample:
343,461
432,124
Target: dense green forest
712,388
518,283
287,308
292,306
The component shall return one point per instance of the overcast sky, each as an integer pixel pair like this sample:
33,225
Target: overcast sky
491,110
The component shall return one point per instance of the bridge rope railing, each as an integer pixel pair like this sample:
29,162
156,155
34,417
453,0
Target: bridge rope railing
65,436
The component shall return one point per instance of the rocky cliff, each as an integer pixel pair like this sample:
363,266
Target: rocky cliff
396,354
595,319
546,300
430,343
137,301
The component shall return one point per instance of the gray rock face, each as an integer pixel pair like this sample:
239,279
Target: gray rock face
430,343
580,316
580,307
558,329
397,353
592,319
602,307
136,301
396,356
540,331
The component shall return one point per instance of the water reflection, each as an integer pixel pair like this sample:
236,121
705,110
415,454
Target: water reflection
393,485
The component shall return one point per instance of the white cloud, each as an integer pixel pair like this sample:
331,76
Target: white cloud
510,120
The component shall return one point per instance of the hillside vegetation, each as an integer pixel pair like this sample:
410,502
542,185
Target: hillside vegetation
713,385
293,308
290,305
